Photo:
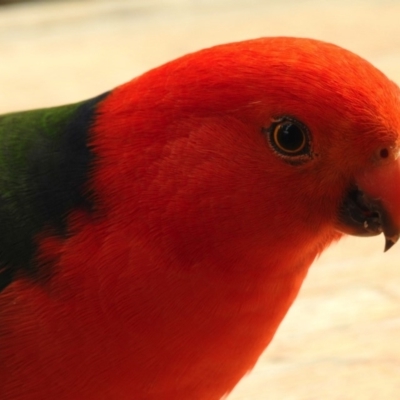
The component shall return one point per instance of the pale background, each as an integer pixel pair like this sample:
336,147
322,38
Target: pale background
340,339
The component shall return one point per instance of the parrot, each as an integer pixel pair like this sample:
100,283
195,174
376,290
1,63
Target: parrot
154,237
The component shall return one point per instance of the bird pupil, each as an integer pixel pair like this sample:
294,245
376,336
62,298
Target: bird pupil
291,137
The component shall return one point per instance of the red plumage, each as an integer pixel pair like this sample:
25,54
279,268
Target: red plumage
202,233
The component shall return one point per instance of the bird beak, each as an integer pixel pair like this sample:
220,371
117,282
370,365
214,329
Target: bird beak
372,205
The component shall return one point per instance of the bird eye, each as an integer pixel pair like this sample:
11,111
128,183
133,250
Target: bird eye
289,137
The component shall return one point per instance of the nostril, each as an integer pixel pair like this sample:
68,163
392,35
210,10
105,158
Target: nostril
384,153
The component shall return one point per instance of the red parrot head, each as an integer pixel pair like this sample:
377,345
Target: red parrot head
279,139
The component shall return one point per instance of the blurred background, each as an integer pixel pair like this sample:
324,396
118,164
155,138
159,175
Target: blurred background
340,339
